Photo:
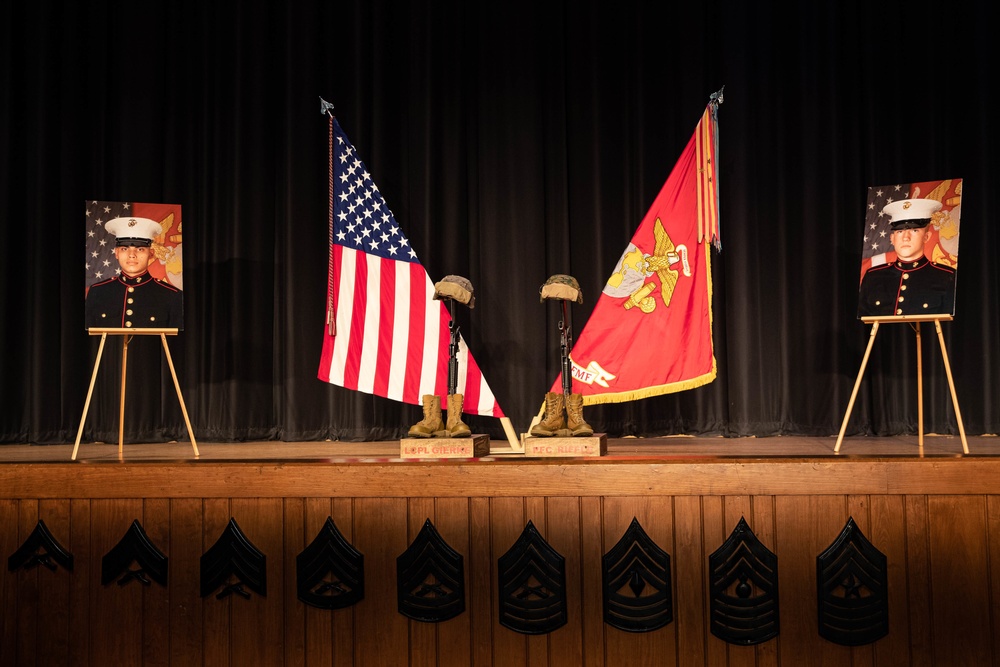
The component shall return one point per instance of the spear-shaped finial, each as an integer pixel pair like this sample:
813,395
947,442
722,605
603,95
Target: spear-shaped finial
717,96
325,107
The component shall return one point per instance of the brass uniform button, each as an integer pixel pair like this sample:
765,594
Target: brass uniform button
128,312
899,311
128,324
131,289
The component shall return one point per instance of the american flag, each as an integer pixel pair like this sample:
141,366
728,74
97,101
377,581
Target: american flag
876,242
386,334
100,263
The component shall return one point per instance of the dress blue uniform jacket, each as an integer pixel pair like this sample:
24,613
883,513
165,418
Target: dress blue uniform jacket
141,302
908,288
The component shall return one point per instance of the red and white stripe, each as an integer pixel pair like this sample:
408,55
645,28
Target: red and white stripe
392,336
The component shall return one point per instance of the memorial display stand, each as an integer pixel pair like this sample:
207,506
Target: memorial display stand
556,436
915,320
127,335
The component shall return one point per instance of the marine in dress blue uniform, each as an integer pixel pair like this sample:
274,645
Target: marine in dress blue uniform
911,285
134,299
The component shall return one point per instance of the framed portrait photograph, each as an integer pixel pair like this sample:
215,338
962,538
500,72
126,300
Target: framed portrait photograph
134,266
909,258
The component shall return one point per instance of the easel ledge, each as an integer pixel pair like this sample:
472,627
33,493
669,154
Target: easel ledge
875,321
127,334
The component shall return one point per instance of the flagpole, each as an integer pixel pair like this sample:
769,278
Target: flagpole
331,320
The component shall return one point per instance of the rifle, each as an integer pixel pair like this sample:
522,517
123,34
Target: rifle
453,359
565,344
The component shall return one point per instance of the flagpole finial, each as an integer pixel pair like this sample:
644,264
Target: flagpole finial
716,97
325,107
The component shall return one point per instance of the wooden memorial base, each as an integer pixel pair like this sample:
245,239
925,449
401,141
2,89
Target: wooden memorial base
594,445
475,446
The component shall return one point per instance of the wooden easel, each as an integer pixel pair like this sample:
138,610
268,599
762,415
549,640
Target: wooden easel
127,336
936,319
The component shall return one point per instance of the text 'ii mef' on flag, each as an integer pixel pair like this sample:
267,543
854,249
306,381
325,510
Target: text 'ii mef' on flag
651,330
386,334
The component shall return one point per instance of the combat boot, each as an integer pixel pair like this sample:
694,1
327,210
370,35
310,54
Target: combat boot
431,424
554,419
456,427
574,416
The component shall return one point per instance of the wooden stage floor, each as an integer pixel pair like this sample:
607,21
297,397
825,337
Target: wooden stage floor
662,449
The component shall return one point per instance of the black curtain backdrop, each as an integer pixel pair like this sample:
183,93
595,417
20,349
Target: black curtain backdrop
512,141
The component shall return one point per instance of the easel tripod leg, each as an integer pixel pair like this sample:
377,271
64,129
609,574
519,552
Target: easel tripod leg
951,385
857,385
920,392
180,397
90,393
121,404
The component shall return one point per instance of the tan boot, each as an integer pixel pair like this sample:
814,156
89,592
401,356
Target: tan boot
456,427
574,416
431,424
554,419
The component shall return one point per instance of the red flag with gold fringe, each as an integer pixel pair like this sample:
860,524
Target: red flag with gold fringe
651,330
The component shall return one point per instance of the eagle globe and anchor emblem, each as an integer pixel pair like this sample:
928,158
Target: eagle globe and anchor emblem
630,276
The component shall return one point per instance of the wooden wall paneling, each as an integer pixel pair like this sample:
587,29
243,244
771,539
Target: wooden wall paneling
887,533
423,650
538,646
959,582
186,544
257,623
690,563
859,507
27,604
155,521
346,639
27,613
53,590
564,520
116,611
655,515
217,631
317,634
592,521
454,636
294,625
735,508
806,525
766,530
10,541
918,568
508,518
993,532
482,577
715,531
380,534
86,578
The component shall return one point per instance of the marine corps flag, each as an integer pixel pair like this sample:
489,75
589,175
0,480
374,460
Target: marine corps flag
386,334
651,329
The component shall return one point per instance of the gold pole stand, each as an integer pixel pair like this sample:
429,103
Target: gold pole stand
936,319
127,335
